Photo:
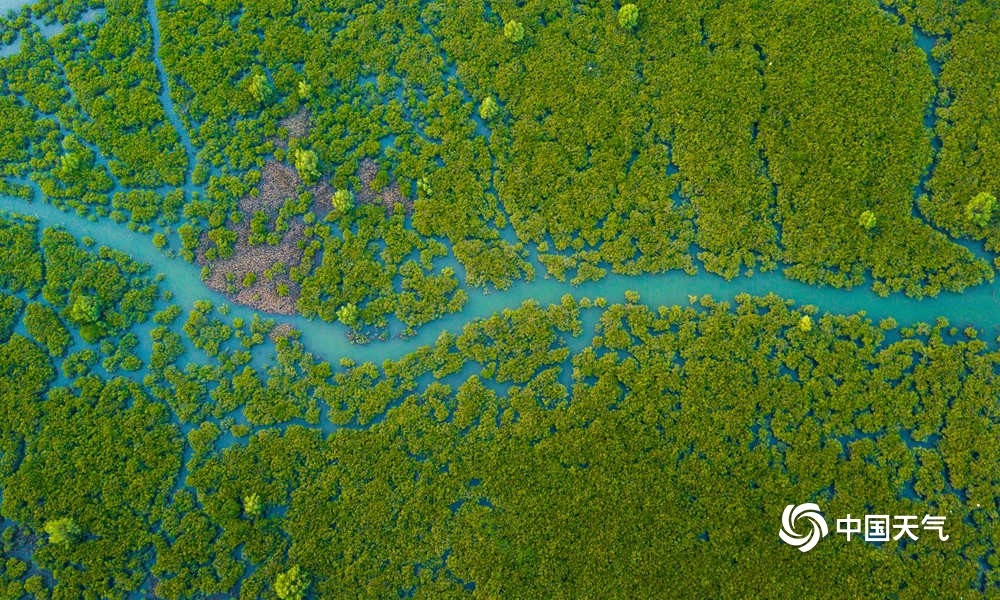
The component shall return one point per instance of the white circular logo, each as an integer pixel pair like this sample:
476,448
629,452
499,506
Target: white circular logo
818,529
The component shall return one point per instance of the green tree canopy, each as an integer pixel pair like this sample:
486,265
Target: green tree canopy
488,109
348,314
85,309
867,220
628,16
62,531
291,585
260,88
513,31
307,164
979,210
252,505
343,200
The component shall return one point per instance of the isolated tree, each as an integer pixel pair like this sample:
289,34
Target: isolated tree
62,531
342,201
488,109
513,31
252,505
291,585
307,164
979,210
424,187
867,220
628,16
260,88
348,314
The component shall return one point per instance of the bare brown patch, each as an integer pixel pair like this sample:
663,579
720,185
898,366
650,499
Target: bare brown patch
263,294
296,125
281,331
278,182
390,196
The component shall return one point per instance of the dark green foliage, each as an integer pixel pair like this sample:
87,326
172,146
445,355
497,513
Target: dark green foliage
746,134
104,292
652,460
654,450
10,314
496,454
968,114
20,264
45,327
354,270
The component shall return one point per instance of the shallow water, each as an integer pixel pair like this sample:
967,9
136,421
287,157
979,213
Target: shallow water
12,5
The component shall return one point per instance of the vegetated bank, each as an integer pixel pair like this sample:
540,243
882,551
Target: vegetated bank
681,137
141,450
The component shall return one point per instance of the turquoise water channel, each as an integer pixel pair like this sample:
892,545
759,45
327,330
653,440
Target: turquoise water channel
978,306
975,307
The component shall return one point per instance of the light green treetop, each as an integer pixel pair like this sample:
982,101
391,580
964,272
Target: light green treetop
343,200
260,88
979,210
513,31
348,314
628,16
62,531
292,584
252,505
307,164
488,109
867,219
86,309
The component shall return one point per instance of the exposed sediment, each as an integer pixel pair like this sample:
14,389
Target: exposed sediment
390,196
280,182
227,274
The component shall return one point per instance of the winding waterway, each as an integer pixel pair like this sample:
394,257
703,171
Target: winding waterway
976,306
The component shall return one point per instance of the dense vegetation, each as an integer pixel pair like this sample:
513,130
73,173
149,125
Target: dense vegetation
555,451
593,138
360,162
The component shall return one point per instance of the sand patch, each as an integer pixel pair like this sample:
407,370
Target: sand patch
278,182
